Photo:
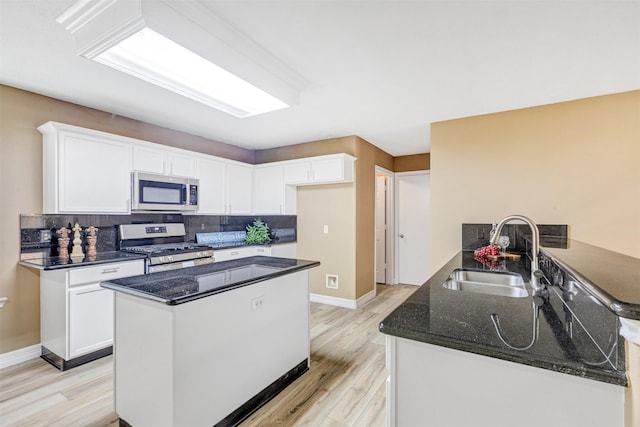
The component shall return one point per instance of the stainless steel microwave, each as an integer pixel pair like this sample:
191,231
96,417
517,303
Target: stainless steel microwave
155,192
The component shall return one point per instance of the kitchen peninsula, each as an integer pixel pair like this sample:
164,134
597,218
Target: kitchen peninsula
556,358
210,344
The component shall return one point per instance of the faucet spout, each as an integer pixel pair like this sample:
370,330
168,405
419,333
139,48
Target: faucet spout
535,246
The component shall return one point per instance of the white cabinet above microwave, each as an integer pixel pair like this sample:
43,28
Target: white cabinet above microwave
153,158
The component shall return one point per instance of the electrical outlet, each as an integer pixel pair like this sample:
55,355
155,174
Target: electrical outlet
256,303
332,281
45,236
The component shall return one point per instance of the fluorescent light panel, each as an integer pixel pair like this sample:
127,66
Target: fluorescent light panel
156,59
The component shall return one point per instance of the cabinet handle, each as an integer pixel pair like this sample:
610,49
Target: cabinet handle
90,292
235,253
110,270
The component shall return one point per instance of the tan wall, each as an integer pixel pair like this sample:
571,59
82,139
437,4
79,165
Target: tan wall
414,162
346,144
21,113
570,163
368,157
334,206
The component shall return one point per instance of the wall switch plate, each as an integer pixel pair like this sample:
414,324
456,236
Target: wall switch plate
325,229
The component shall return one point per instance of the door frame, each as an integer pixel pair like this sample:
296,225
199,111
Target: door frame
391,225
396,238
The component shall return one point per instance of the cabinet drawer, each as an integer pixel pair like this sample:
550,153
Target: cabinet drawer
105,272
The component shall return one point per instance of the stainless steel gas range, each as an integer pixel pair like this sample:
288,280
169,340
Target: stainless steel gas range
164,246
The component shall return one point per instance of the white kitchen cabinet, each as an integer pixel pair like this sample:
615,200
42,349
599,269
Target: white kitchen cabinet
211,190
330,169
84,171
241,252
154,158
285,250
76,313
225,188
91,308
271,195
239,189
233,253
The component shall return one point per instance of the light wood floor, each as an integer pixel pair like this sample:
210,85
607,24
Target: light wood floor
345,385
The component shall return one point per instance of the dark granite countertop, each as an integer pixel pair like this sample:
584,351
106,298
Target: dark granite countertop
461,320
43,262
188,284
611,277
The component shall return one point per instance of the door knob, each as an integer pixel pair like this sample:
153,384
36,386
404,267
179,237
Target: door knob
401,236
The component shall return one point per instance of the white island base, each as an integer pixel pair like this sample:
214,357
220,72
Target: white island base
194,364
437,386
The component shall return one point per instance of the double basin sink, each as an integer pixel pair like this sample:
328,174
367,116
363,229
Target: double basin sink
487,282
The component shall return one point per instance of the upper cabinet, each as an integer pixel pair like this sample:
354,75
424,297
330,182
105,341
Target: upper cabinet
149,157
239,194
87,171
84,171
226,188
271,195
330,169
211,190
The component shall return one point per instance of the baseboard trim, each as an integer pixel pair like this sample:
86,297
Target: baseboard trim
21,355
343,302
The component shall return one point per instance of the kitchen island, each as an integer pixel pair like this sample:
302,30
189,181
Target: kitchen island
459,358
208,345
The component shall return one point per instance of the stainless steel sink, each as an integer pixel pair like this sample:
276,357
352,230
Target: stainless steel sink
487,282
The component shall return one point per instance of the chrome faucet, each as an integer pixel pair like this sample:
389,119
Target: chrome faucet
535,247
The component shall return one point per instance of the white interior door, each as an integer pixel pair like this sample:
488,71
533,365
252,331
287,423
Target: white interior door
381,229
413,190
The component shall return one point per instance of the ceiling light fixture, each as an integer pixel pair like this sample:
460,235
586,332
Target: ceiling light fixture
138,38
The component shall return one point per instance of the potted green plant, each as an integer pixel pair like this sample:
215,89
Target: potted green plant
258,233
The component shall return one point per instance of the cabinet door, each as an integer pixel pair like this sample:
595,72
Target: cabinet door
211,192
327,170
90,319
94,174
269,190
147,159
180,164
239,189
297,172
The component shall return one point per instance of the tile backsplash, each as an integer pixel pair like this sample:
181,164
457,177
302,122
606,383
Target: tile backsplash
33,226
475,236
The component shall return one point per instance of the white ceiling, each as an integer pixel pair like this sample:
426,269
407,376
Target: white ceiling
382,70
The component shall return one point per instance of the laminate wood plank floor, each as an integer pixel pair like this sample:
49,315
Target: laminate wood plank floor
345,385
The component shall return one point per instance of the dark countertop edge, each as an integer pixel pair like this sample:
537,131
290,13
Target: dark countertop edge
128,257
620,308
611,377
231,286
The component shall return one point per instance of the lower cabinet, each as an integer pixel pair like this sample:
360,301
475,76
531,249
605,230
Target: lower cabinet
91,312
76,313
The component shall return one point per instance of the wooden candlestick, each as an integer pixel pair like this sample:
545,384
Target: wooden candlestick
63,242
92,239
